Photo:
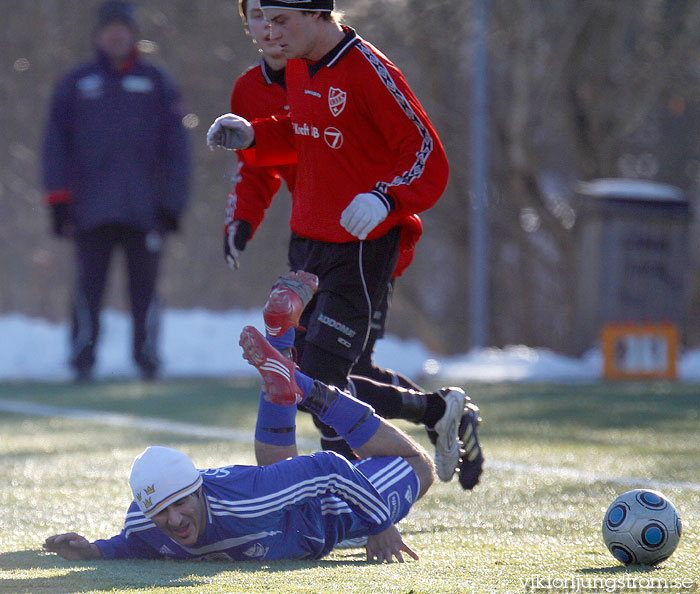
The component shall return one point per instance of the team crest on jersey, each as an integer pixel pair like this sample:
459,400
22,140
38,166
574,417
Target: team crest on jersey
336,100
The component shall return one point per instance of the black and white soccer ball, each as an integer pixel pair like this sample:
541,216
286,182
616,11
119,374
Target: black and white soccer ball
641,527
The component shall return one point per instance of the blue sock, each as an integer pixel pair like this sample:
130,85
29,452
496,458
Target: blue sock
304,382
354,420
284,341
276,424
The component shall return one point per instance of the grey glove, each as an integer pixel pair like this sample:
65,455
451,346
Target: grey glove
231,132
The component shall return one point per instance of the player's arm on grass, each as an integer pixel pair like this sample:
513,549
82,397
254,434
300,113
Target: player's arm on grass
73,547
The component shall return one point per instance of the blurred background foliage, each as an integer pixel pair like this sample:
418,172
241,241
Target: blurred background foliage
578,89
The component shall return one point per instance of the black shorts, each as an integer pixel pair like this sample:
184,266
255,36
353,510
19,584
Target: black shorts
353,282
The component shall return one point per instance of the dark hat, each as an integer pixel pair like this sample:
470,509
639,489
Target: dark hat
116,10
322,5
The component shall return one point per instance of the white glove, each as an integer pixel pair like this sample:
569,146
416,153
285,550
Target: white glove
363,214
231,132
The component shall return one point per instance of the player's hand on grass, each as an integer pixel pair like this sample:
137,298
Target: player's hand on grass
230,132
73,547
387,545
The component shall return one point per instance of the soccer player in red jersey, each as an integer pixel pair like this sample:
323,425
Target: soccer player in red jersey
367,161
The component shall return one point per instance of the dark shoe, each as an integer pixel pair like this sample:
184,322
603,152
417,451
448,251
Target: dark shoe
148,373
472,460
83,375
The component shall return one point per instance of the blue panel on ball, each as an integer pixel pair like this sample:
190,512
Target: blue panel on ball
617,515
651,499
653,535
621,555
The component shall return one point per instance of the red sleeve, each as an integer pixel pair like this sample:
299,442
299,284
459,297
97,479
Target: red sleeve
421,170
254,189
255,186
274,142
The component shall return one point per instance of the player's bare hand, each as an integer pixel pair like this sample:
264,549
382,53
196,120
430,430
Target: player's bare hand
388,545
72,546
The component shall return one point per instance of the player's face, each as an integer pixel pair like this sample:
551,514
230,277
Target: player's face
260,31
185,520
294,31
115,39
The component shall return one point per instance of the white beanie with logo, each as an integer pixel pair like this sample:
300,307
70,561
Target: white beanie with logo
160,476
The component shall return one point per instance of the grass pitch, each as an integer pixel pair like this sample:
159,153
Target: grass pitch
556,457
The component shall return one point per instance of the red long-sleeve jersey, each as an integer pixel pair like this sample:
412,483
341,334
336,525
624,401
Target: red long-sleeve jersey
258,93
354,126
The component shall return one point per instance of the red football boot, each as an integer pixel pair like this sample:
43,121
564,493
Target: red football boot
276,370
288,298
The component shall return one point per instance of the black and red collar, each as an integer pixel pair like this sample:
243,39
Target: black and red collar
273,76
350,39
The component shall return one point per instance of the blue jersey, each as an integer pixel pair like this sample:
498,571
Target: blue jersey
299,508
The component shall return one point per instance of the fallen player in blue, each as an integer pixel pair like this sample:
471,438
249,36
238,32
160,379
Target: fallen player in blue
297,507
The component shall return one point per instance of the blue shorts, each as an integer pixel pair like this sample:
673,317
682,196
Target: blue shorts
395,480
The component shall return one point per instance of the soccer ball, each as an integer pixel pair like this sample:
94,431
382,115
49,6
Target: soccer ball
641,527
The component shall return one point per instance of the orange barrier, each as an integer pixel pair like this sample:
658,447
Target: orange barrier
639,350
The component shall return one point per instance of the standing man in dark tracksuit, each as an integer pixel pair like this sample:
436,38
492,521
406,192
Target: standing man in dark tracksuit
116,173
